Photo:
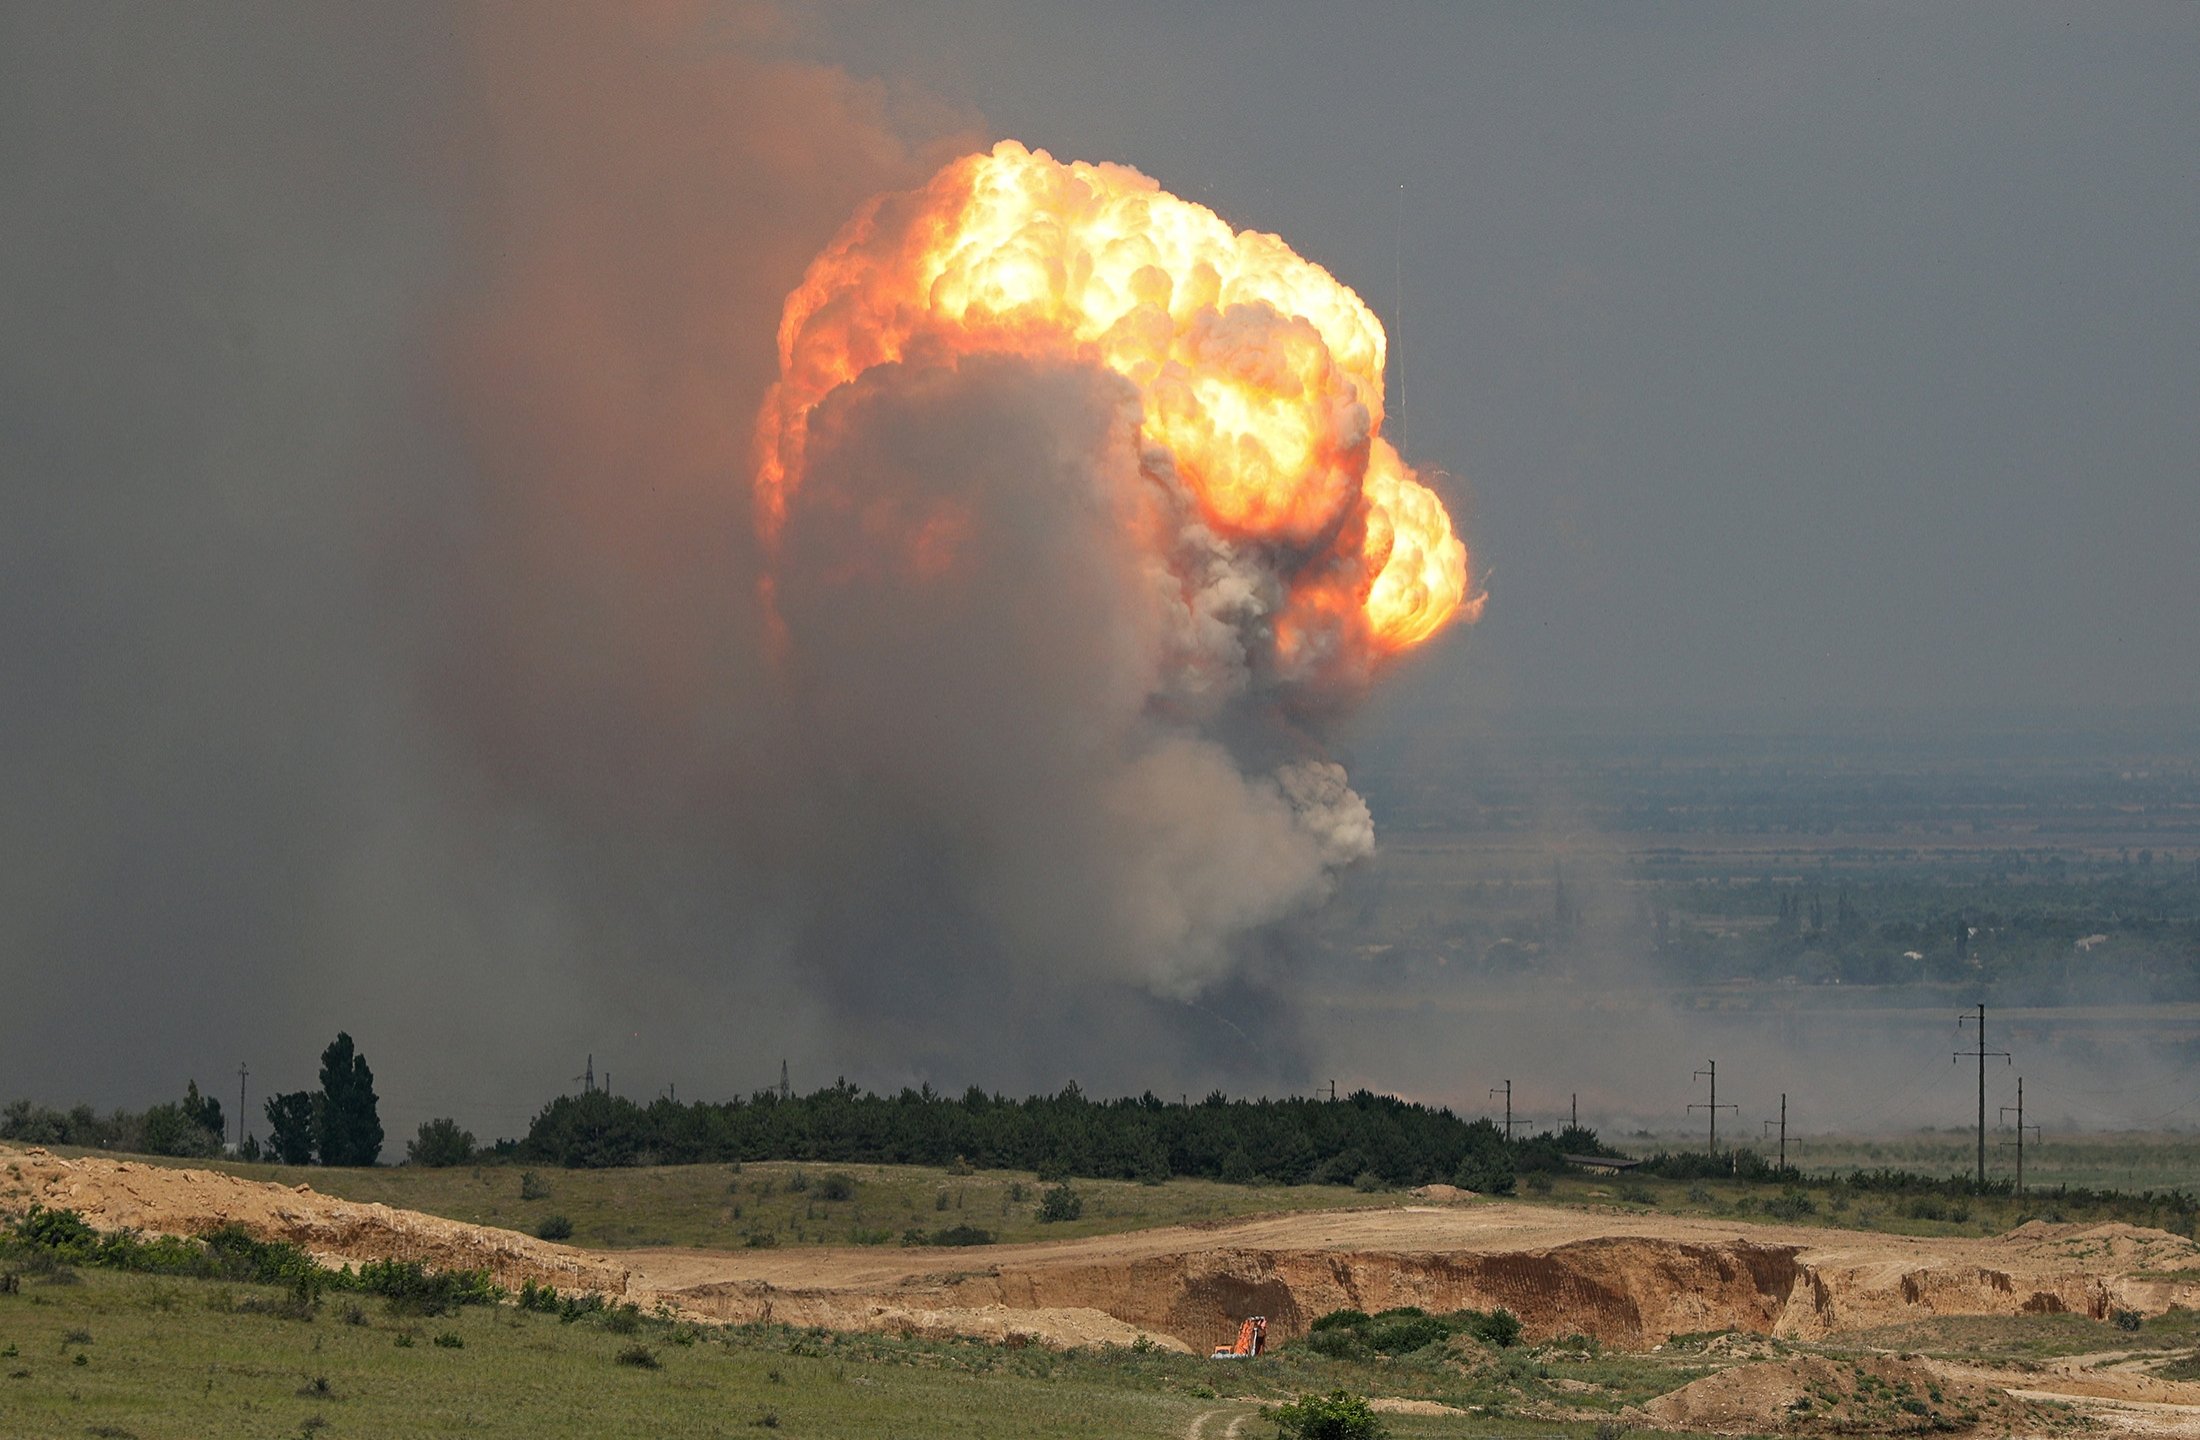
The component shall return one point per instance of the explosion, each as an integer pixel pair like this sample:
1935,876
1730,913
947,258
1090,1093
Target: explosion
1076,513
1259,377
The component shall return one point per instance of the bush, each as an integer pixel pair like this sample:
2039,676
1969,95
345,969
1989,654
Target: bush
1060,1203
1339,1415
531,1186
554,1227
413,1289
542,1299
1790,1205
1353,1334
440,1144
837,1186
640,1356
953,1235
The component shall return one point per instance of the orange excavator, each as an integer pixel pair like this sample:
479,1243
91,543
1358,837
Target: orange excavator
1252,1336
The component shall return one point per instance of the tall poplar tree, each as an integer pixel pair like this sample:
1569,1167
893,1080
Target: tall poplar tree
347,1129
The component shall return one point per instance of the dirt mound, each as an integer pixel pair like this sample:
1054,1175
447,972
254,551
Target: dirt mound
1872,1395
1442,1194
125,1195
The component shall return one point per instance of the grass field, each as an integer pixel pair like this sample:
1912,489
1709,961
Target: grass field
786,1203
121,1356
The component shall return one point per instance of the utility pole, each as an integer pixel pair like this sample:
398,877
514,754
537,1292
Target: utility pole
2021,1128
1332,1092
1713,1105
1783,1123
784,1091
1576,1111
1982,1052
242,1072
587,1077
1507,1092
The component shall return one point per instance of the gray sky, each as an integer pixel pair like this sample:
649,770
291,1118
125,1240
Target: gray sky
1791,355
367,574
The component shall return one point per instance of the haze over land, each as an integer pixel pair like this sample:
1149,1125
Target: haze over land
375,402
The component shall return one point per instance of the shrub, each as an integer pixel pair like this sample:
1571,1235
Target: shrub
1790,1205
439,1144
1354,1334
1499,1327
952,1235
640,1356
1060,1203
413,1289
1339,1415
531,1186
450,1340
837,1186
554,1227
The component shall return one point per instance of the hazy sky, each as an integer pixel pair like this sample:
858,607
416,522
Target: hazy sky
1790,355
370,488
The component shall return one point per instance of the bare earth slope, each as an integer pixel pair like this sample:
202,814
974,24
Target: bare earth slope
125,1195
1628,1279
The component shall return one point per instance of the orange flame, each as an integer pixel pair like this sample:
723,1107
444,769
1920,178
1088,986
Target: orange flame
1260,375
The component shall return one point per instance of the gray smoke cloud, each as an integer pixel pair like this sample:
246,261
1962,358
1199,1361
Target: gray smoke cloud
379,602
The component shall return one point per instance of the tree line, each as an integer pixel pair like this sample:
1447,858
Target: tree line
1363,1138
338,1124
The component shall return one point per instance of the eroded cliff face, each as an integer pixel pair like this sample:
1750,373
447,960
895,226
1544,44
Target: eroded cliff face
1630,1292
1629,1280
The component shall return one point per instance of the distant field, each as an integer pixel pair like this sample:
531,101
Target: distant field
2121,1160
783,1202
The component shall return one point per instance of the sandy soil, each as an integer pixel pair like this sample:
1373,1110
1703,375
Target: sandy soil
1630,1279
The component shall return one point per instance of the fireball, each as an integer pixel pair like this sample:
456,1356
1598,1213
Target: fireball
1259,375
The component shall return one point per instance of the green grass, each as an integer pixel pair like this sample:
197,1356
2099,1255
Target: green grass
1842,1208
165,1359
782,1203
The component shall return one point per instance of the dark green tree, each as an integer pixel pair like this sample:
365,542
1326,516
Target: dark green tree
347,1130
205,1112
290,1128
440,1143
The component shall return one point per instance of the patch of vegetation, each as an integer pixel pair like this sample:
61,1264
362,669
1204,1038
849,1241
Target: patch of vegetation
1339,1415
1353,1334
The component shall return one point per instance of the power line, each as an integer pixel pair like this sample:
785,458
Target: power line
1713,1104
1981,1052
2021,1128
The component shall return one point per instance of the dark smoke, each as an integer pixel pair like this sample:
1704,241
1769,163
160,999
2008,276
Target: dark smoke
379,601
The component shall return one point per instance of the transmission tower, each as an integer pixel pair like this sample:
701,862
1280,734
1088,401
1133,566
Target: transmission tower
2021,1128
1981,1052
1782,1122
1713,1104
1507,1092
